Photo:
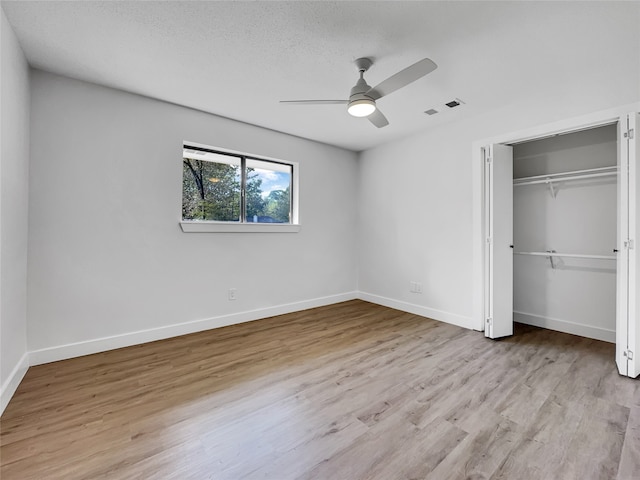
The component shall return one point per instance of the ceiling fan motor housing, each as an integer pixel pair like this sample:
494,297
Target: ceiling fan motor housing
361,104
360,88
359,97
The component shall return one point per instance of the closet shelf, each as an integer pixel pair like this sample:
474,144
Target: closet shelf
572,255
566,176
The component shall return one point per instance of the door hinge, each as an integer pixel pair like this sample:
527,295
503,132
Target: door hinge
489,240
629,134
628,244
628,354
488,159
488,327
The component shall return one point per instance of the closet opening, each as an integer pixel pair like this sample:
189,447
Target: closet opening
564,232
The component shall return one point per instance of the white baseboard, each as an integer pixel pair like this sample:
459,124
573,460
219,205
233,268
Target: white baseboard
565,326
440,315
10,385
63,352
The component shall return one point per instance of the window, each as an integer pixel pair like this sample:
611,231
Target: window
232,188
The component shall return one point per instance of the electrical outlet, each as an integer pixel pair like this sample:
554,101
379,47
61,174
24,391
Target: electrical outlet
233,294
415,287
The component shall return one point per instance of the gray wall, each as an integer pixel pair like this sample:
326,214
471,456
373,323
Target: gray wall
107,257
14,188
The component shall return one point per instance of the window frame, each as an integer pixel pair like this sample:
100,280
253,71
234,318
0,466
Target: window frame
204,226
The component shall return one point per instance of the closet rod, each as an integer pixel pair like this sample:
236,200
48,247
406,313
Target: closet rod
551,180
573,172
559,177
573,255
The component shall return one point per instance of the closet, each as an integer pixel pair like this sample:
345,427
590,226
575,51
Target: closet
556,228
564,232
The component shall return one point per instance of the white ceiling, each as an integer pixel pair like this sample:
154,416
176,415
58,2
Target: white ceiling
238,59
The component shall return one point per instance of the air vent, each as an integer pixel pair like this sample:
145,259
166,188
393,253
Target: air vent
443,108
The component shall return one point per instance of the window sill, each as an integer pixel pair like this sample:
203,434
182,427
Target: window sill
232,227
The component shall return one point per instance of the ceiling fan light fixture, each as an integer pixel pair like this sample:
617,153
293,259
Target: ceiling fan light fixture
362,107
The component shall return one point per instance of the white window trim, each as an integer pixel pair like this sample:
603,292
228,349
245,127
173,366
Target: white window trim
233,227
249,227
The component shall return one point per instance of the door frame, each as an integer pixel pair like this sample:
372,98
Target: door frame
616,115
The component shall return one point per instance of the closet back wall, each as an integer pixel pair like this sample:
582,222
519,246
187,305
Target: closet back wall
108,262
578,295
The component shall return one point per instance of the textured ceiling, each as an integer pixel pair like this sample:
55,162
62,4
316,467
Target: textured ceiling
238,59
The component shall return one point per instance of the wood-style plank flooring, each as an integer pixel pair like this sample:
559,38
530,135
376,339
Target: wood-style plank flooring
345,392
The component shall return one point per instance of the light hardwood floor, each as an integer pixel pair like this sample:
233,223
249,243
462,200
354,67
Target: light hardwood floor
349,391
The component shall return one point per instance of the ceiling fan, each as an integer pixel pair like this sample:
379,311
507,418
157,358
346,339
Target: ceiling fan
362,100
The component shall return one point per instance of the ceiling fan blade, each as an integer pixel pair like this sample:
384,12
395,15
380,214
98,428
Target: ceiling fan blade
402,78
378,119
315,102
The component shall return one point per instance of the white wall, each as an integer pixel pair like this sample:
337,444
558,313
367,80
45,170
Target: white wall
415,224
14,175
107,257
578,295
416,199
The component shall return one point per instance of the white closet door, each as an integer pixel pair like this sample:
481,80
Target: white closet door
627,314
622,264
633,350
499,241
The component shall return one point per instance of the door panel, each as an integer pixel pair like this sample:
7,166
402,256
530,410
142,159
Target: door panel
633,357
622,264
499,240
627,314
